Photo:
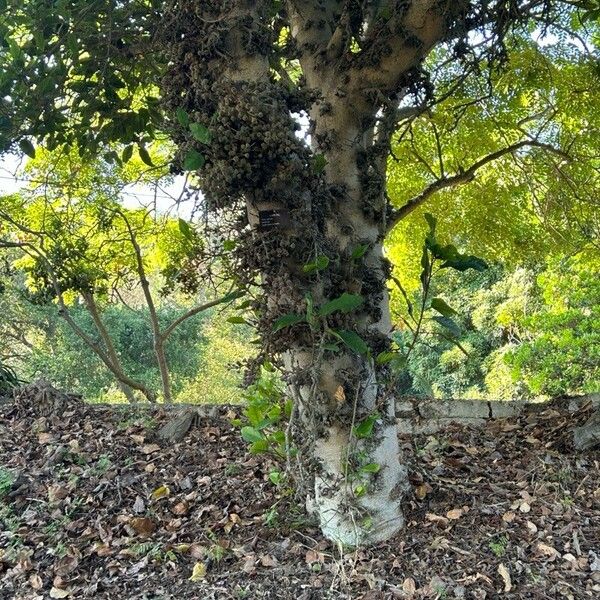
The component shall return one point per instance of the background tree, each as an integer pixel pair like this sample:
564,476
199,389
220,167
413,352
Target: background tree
81,247
307,219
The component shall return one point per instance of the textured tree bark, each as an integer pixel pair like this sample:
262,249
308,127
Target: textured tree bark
221,76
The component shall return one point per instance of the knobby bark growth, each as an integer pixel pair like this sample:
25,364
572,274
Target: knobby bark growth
330,198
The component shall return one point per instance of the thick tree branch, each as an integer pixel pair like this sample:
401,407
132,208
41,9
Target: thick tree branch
401,43
463,177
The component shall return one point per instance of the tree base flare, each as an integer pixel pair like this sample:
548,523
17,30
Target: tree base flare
358,506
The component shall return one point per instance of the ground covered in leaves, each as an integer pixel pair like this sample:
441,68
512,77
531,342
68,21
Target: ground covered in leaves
92,506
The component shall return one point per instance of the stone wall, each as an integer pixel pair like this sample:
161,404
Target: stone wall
428,415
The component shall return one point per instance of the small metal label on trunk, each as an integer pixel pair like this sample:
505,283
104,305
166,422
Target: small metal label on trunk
269,219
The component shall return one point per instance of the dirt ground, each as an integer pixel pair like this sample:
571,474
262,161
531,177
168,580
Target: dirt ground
92,506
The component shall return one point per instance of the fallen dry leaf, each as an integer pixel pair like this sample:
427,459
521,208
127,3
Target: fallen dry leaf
233,519
409,587
181,508
143,525
161,492
436,519
268,561
340,395
455,513
532,527
198,551
422,490
546,550
66,565
312,556
198,572
59,593
248,566
57,492
504,573
150,448
524,507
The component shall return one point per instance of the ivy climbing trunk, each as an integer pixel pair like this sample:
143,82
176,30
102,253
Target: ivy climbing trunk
310,217
360,481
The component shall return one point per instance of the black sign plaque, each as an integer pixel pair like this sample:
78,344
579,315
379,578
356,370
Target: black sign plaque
275,217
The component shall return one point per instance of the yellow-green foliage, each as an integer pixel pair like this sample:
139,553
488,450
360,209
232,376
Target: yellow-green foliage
523,206
220,376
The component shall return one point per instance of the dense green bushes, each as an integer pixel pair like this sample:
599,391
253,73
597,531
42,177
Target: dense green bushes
525,334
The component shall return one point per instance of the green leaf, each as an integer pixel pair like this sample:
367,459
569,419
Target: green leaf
359,251
320,263
431,221
201,132
425,266
186,229
251,434
441,306
365,428
127,153
344,303
385,357
371,468
275,477
229,245
286,321
319,163
145,156
409,305
331,347
27,147
259,446
193,161
244,305
237,320
447,252
182,117
352,340
232,296
449,324
360,490
462,262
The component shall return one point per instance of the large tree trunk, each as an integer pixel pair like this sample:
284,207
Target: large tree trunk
344,427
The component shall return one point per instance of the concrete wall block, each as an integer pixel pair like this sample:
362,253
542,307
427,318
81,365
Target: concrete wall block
504,410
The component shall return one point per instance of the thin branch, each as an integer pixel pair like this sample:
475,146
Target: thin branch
190,313
465,176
